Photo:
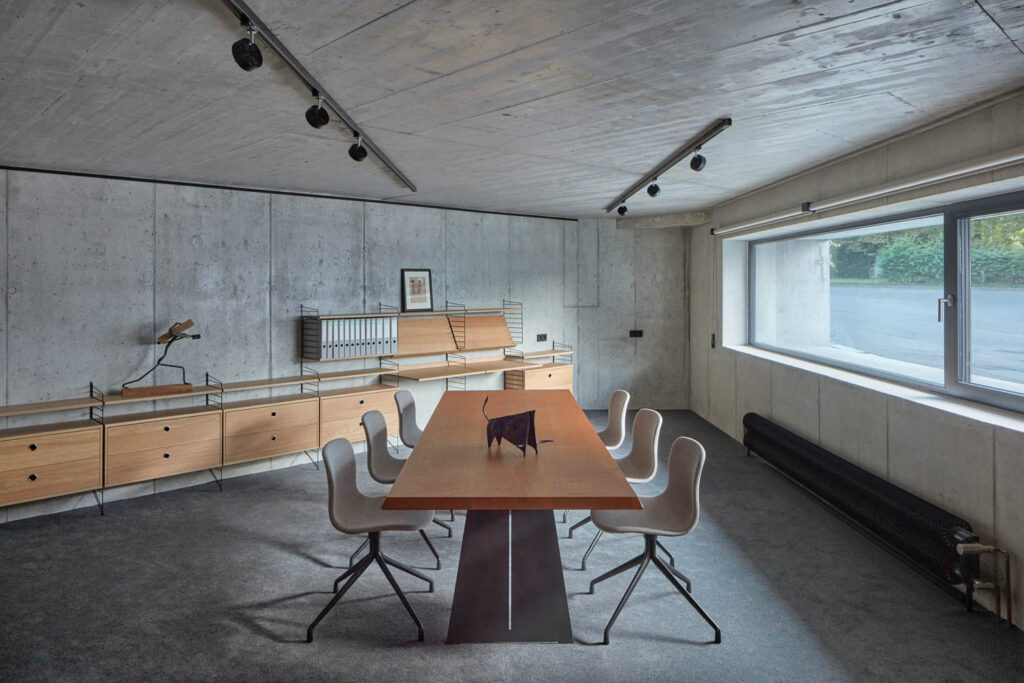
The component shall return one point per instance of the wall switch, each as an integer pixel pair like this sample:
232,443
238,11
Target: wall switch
542,337
636,333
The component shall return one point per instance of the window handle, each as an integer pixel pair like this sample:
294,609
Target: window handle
947,301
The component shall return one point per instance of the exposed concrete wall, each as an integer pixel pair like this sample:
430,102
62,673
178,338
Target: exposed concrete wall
639,277
96,268
967,459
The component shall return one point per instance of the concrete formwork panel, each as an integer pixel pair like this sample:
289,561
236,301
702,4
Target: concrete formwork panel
944,458
80,284
722,390
536,268
607,356
753,388
402,237
3,279
661,312
1009,506
476,258
853,424
570,264
795,400
316,260
587,245
213,265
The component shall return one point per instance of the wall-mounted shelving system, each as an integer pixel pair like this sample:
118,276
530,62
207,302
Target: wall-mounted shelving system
89,455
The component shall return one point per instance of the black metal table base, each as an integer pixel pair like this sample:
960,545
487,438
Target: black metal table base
510,586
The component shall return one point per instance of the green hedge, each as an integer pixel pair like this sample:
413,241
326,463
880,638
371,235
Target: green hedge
909,260
997,266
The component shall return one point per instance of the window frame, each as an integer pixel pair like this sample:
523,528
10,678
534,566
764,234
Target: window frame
956,280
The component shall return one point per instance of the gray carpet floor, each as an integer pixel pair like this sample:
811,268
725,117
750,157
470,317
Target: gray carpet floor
199,584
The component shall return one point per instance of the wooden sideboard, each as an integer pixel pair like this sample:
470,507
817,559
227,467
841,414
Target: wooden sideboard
106,450
55,460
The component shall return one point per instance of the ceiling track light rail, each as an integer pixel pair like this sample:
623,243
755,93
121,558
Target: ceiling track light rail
697,163
256,27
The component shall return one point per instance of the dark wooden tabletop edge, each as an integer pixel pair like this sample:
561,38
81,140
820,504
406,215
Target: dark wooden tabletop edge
511,503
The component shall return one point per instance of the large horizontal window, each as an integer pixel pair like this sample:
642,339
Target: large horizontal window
932,300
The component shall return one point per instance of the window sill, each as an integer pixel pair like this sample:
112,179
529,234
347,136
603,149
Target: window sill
979,412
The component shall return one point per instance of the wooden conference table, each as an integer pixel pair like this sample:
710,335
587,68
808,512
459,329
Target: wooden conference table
510,586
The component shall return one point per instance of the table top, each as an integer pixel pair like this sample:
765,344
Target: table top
451,466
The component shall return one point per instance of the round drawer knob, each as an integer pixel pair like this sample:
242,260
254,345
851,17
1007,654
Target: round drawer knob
362,401
32,446
274,437
32,477
273,413
550,375
167,428
167,456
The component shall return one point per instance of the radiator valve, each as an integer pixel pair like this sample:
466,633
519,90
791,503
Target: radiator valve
975,549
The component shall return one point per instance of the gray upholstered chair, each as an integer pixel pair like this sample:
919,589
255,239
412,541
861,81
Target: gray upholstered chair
354,513
614,433
384,468
409,432
673,512
639,466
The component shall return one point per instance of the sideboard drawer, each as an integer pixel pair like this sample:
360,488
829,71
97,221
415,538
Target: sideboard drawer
156,434
153,463
341,416
46,481
550,376
36,450
270,417
245,447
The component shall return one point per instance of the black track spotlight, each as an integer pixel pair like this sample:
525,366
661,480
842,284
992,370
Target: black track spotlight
622,210
698,162
316,115
357,151
653,190
246,52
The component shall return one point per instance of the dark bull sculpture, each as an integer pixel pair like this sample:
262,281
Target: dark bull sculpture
519,429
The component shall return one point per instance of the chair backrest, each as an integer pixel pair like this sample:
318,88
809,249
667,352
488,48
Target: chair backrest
342,491
685,465
408,430
642,461
615,433
377,453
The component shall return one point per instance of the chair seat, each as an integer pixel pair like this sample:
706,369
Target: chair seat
658,517
363,515
636,472
386,469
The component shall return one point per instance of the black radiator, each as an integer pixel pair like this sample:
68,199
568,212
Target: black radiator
921,533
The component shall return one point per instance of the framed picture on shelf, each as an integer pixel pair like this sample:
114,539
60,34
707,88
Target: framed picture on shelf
417,292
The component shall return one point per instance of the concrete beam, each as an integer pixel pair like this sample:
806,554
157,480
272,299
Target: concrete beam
683,219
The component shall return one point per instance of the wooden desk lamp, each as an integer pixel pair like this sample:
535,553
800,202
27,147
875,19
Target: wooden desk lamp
174,333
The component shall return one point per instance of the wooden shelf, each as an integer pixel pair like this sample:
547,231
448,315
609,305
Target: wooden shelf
365,389
473,367
116,398
270,400
53,428
49,406
415,314
549,353
351,374
160,415
268,383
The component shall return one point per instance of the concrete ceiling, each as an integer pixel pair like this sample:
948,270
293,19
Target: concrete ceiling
530,106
